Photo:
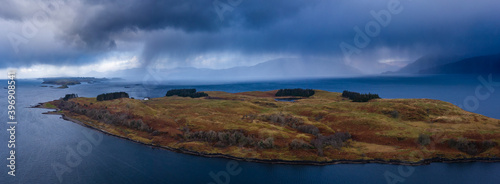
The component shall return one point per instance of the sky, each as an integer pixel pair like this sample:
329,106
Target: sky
50,38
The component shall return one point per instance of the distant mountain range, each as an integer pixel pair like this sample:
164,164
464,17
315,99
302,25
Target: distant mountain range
442,64
299,68
426,62
287,68
474,65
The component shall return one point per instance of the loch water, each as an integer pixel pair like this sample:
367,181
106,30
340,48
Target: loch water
43,142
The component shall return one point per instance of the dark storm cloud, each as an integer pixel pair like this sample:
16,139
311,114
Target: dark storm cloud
182,29
318,29
117,16
112,17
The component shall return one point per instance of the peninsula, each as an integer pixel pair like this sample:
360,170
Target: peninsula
316,127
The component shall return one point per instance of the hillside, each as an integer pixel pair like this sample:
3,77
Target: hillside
426,62
286,68
321,129
475,65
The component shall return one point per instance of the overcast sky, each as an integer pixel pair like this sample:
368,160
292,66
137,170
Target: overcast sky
78,37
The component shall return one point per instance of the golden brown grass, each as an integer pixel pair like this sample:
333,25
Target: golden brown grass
377,131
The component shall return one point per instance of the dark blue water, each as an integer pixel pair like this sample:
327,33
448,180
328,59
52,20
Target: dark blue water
44,141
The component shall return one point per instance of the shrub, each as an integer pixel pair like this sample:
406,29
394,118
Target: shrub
310,129
70,96
221,139
104,116
394,114
336,141
424,139
294,122
112,96
471,147
211,136
299,144
267,143
139,125
318,117
488,144
464,145
295,92
283,120
186,93
357,97
291,121
277,118
249,117
318,144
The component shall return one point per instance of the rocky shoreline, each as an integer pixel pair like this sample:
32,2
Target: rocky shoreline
277,161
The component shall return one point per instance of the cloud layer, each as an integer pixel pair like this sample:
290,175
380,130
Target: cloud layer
227,33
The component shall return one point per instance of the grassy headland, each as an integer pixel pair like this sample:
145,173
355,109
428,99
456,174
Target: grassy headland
324,128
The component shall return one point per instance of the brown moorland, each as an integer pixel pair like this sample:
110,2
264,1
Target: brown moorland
322,129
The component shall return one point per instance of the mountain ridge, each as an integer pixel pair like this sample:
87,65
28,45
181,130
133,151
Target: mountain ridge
425,62
472,65
283,68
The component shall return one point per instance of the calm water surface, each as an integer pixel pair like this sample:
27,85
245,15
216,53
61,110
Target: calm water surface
44,141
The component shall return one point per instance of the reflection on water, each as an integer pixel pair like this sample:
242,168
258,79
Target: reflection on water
287,99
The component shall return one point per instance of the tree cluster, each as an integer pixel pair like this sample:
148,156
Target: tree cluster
283,120
112,96
358,97
229,138
336,140
70,96
221,139
186,93
470,147
295,92
104,116
291,121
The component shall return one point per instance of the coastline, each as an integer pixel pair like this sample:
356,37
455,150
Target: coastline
288,162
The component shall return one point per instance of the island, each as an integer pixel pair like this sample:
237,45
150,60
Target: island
317,127
64,82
